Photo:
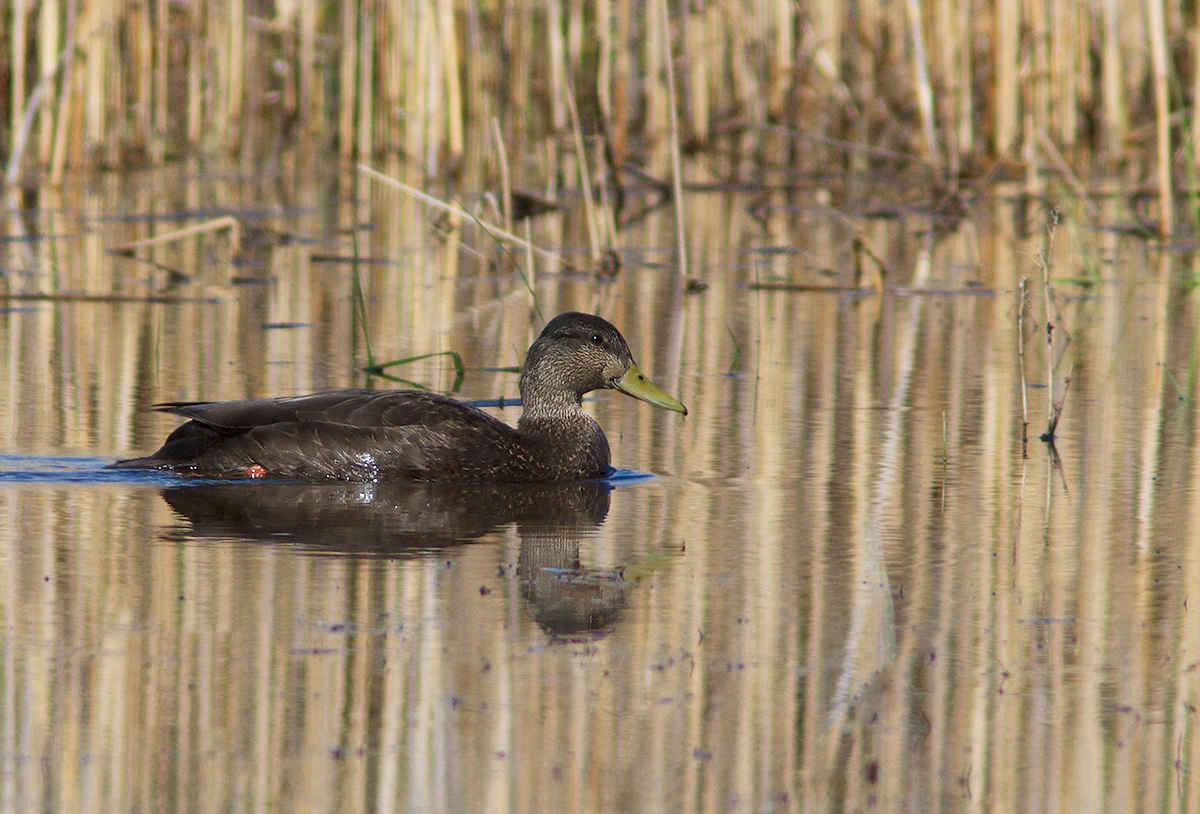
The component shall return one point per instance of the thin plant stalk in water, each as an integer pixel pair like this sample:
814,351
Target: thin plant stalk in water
376,369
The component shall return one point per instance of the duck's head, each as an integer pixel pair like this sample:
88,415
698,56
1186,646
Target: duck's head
577,353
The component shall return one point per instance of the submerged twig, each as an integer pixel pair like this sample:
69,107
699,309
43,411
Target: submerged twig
945,458
1043,260
1057,409
737,350
358,301
1056,158
860,248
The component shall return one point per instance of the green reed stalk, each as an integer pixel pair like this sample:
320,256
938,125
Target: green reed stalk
1189,132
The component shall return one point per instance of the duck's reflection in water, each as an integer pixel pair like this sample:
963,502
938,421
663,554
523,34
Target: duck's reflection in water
569,600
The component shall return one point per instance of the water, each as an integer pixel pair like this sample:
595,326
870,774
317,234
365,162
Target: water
847,583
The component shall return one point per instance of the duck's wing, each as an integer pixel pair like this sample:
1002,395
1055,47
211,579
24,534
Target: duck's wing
344,435
360,408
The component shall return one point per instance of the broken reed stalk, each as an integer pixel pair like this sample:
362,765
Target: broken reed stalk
1057,408
676,163
1052,410
1049,331
494,231
225,222
860,247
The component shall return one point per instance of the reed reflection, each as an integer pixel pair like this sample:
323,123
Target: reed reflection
570,601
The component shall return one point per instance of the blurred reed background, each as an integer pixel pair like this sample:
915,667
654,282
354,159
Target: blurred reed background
777,85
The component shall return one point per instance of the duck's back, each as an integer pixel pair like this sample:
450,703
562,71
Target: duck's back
370,435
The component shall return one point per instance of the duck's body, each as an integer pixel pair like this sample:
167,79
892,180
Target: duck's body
369,435
413,435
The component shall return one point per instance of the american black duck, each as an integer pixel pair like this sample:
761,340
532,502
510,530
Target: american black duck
366,435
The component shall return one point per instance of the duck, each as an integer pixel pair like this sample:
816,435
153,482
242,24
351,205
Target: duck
414,435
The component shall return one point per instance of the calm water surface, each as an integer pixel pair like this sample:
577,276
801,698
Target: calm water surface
843,587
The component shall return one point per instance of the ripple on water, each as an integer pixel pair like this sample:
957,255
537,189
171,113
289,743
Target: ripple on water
65,469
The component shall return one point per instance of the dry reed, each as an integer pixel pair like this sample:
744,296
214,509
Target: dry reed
494,231
1158,52
1021,364
224,222
676,163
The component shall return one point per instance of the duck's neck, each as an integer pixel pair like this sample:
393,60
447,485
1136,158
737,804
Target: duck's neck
569,441
544,398
557,410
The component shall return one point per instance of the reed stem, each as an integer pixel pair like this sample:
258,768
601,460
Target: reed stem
676,163
1157,25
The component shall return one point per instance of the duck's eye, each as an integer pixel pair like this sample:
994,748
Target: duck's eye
597,340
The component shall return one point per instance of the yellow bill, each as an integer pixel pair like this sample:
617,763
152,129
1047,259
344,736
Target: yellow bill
635,383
